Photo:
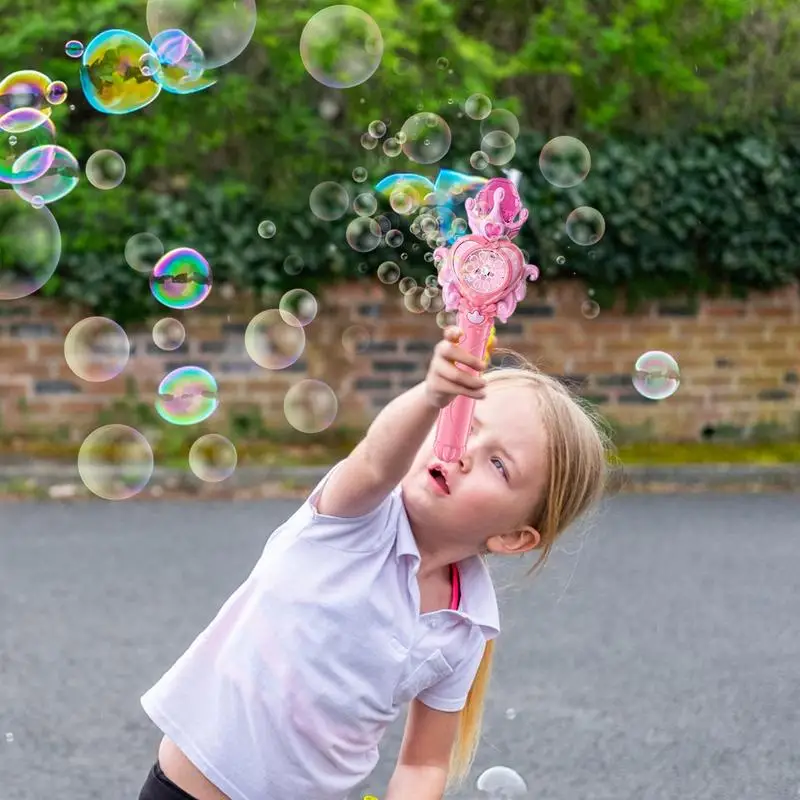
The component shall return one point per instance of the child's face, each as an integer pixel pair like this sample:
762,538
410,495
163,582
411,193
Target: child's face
494,487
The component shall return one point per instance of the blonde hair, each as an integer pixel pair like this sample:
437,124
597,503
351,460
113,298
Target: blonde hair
576,457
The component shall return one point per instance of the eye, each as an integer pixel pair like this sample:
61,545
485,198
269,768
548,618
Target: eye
503,469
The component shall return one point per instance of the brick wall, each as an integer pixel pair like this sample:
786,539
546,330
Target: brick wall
739,360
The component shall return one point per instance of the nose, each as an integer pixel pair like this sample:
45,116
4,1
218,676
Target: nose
465,462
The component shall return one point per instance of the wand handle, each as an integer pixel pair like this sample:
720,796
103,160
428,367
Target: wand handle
455,419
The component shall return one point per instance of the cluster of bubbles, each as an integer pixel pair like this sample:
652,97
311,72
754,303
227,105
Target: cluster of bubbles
121,72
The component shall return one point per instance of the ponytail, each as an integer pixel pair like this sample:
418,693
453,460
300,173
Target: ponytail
470,721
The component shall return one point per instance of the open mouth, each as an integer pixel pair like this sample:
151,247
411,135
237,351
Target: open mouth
439,478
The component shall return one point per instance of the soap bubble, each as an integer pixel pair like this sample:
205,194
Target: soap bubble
25,88
310,406
105,169
168,333
565,161
58,180
329,201
221,28
266,229
30,247
365,204
501,783
341,46
416,300
478,106
293,264
403,202
392,147
479,160
274,340
585,226
500,120
56,93
428,138
407,285
363,234
590,309
142,251
28,130
355,340
149,64
499,147
368,142
115,462
187,396
73,48
298,306
213,458
181,63
111,77
181,279
377,129
394,238
96,349
418,187
656,375
388,272
359,174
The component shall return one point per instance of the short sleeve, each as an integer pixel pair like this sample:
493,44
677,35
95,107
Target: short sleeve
450,693
366,533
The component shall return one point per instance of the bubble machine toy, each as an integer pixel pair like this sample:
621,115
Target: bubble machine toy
483,276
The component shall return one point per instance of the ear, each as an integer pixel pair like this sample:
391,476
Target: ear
515,543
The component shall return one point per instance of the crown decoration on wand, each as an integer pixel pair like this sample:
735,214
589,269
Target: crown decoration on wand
495,215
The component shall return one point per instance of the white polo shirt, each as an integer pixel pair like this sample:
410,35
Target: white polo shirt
288,692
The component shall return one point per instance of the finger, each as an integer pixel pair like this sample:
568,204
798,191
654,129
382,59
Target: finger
446,387
460,355
460,377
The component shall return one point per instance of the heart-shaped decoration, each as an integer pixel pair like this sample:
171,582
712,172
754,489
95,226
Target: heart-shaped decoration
493,230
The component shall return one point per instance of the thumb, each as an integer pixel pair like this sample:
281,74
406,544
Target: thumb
453,334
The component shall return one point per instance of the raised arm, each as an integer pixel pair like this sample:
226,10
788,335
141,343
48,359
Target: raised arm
383,457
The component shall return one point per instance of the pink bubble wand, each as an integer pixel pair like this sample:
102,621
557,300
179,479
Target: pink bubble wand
482,276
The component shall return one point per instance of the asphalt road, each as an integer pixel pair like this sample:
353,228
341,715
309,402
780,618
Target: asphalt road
657,657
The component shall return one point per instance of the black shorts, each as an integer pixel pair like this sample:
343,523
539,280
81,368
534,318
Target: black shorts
159,787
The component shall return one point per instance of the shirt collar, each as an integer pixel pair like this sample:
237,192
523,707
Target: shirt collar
478,598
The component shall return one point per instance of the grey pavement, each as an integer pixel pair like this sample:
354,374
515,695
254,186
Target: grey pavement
62,480
656,657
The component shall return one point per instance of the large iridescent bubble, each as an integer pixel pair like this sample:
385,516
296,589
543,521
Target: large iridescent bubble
181,278
25,88
180,63
111,75
23,130
57,181
221,28
30,247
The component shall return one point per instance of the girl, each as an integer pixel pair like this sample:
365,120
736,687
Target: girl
375,594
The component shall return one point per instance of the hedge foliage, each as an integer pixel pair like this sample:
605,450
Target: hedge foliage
709,207
703,214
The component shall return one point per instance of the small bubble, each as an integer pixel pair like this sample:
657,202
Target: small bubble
442,62
478,106
590,309
479,160
9,737
74,48
377,129
266,229
585,226
368,142
359,174
511,713
37,201
560,260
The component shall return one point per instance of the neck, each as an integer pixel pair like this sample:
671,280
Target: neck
436,557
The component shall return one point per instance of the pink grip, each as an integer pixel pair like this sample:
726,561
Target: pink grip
455,419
